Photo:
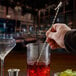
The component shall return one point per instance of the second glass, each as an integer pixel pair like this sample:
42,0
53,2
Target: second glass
38,66
7,43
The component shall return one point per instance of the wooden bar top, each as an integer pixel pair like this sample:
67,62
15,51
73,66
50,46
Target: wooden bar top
59,62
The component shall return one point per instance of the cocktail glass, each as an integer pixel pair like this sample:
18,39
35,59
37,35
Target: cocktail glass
7,43
38,65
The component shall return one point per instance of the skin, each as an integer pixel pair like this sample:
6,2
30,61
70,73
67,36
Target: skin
55,35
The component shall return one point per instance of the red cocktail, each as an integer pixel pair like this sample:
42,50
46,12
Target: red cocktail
40,69
38,64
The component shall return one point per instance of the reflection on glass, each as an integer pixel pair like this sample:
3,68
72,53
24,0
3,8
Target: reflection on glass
37,67
7,43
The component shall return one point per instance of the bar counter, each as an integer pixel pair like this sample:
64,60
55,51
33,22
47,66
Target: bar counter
17,59
59,62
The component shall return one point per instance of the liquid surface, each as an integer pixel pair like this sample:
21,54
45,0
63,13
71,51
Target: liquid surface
38,70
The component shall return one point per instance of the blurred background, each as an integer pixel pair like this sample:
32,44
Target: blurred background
28,21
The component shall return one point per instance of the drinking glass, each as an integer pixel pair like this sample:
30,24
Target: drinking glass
7,43
38,61
13,72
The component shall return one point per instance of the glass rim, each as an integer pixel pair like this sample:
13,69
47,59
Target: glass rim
34,44
9,70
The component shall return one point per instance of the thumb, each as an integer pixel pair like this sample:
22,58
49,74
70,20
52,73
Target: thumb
52,35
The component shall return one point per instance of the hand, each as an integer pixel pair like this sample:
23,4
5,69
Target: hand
55,35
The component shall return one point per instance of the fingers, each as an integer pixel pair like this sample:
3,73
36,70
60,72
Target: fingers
55,35
47,33
52,43
48,40
55,27
52,35
54,46
52,29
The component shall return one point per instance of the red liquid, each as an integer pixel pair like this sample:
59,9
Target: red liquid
38,70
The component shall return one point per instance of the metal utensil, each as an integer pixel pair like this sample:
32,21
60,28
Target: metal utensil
45,43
